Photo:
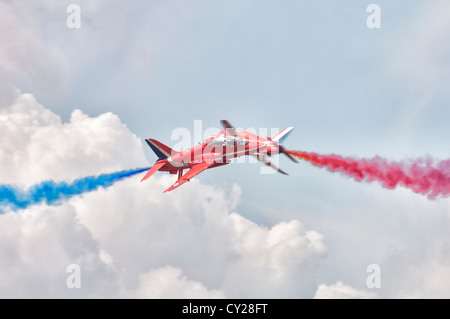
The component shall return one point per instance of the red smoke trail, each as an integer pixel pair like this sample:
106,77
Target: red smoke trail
423,176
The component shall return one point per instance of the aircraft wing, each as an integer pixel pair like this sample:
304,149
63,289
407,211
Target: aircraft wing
226,124
187,177
154,169
228,127
265,160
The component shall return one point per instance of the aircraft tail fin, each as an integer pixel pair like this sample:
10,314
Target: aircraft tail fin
161,150
279,138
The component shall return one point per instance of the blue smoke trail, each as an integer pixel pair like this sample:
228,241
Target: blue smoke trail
53,193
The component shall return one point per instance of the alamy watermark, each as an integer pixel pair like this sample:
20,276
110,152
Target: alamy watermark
73,20
74,279
374,19
374,279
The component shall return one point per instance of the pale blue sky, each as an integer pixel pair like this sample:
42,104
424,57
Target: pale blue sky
310,64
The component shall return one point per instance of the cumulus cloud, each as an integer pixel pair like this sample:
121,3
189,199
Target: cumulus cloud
36,145
342,291
131,240
169,282
285,258
37,246
209,242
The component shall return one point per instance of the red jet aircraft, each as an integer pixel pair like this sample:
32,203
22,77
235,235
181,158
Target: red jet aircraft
216,151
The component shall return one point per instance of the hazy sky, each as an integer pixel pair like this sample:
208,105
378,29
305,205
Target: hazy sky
140,69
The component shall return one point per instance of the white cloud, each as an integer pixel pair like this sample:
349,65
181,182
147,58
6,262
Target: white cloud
342,291
284,258
169,282
131,240
38,244
36,145
203,237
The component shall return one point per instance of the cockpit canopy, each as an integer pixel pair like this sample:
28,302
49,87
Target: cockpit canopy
228,141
